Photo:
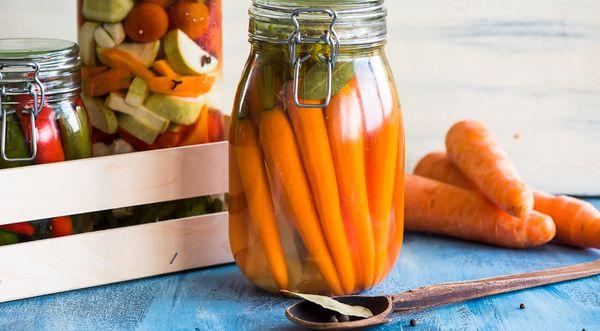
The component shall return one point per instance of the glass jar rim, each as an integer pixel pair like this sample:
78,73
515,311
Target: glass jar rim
357,22
54,62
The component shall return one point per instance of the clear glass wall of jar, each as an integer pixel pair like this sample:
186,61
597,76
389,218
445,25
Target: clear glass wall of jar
316,149
40,86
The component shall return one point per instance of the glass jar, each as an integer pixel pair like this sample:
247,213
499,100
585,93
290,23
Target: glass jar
316,149
42,118
151,73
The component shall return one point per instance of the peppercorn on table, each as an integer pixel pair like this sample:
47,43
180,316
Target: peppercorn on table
221,298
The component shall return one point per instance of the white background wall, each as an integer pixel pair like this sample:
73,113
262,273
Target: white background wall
530,69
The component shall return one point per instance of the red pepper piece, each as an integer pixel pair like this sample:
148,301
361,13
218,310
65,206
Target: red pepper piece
62,226
49,145
19,228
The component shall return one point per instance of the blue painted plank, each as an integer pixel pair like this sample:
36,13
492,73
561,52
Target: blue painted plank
221,298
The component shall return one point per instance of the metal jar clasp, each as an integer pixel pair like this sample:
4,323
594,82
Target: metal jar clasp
28,88
329,38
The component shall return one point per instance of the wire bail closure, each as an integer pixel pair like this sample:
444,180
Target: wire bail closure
329,38
29,89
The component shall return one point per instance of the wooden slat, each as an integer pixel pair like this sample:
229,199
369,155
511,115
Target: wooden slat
103,257
73,187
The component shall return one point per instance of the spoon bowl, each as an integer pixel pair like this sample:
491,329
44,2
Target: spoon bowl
313,316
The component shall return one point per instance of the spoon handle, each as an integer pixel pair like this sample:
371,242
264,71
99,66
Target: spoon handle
437,295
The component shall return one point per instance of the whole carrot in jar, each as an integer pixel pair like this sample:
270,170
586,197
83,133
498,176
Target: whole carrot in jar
318,97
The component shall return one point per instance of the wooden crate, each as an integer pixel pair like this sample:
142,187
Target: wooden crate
103,257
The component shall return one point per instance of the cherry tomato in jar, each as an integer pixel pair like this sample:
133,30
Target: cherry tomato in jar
146,22
190,17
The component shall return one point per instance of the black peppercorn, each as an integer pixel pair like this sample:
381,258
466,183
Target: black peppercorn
413,322
522,306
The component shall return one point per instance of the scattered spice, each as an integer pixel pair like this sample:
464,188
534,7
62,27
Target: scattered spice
175,83
205,60
413,322
522,306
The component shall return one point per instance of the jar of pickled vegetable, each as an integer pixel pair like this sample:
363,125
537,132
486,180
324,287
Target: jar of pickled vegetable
316,149
151,72
41,114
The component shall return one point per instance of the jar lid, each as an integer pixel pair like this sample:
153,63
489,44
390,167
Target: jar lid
53,62
357,22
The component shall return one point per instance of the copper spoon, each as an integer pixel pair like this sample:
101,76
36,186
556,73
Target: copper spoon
313,316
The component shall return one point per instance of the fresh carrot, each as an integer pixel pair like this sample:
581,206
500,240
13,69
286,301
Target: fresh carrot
199,130
436,207
106,82
381,120
313,144
89,72
473,149
285,164
249,155
577,222
438,166
346,136
23,228
164,68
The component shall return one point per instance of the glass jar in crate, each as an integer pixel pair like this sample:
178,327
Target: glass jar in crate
42,118
316,149
151,72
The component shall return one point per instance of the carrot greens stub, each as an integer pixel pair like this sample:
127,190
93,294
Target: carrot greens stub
318,146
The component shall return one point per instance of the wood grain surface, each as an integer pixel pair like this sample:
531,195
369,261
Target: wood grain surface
220,298
528,68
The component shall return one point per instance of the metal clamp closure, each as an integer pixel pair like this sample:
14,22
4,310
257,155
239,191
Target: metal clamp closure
28,88
329,38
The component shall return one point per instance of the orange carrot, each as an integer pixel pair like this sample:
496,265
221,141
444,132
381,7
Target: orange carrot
182,86
438,166
285,165
167,139
313,144
239,240
577,222
397,226
258,193
199,130
89,72
106,82
116,58
381,120
437,207
473,149
346,136
164,68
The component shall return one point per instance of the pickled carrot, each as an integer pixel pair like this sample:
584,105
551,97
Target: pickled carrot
238,221
199,130
346,136
285,165
313,143
106,82
381,151
164,68
258,194
397,226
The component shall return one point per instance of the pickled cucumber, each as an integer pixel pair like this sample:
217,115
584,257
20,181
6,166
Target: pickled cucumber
138,92
101,117
16,144
74,132
176,109
138,128
116,102
109,11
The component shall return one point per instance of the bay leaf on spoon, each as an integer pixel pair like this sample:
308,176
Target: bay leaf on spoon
332,304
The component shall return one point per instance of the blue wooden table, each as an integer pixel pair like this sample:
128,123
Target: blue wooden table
220,298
